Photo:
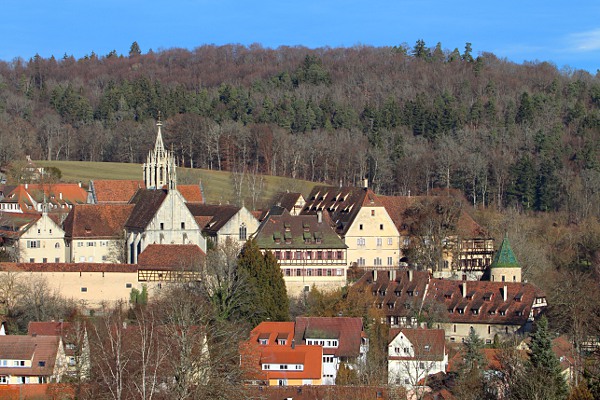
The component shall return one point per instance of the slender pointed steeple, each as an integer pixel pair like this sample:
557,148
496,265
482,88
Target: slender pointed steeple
160,168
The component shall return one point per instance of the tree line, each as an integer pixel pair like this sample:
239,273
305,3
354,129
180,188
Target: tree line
414,117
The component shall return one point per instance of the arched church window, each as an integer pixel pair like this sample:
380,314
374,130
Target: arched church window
243,231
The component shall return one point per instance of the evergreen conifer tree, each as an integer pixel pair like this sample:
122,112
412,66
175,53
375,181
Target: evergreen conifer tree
265,284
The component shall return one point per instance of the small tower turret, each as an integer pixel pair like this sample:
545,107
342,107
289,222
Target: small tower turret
505,267
160,168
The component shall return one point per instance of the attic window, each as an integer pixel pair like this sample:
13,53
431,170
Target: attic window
487,296
519,297
427,347
41,363
460,310
306,226
398,293
287,226
88,228
277,237
502,313
475,311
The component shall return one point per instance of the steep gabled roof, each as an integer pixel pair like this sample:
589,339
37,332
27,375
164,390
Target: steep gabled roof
42,350
342,204
271,331
172,257
219,216
97,220
428,344
115,191
147,202
286,231
347,330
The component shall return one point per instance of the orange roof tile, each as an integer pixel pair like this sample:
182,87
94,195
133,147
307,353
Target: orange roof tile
254,356
191,193
115,191
172,257
97,220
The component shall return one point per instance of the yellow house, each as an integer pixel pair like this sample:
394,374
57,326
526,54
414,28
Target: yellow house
362,221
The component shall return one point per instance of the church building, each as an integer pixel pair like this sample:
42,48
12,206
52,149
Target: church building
160,214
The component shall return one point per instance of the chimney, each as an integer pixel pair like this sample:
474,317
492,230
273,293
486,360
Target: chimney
60,195
393,275
410,275
79,183
319,216
366,183
26,185
374,275
504,293
293,344
464,289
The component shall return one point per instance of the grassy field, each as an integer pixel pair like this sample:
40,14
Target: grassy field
218,186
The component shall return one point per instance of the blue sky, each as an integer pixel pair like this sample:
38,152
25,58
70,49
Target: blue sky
561,32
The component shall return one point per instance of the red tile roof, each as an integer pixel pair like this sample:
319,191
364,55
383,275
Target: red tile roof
191,193
347,330
307,392
41,350
97,221
273,331
253,356
13,225
48,328
115,191
172,257
428,344
55,194
484,301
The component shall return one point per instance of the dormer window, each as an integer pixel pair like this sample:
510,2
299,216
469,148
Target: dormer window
460,310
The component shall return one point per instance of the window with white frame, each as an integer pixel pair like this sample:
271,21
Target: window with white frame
390,260
379,242
33,244
390,241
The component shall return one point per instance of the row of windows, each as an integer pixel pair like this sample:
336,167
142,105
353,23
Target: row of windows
45,260
324,343
283,367
379,241
313,272
377,261
309,255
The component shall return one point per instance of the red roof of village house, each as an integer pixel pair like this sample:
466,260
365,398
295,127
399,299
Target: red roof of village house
171,257
57,195
484,301
347,330
68,267
13,225
41,350
253,356
48,328
211,218
97,220
307,392
273,331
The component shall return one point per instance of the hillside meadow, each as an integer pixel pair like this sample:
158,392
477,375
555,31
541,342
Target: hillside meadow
219,187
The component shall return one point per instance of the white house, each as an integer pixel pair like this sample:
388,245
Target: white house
414,354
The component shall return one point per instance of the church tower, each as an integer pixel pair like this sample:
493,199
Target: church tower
505,267
159,168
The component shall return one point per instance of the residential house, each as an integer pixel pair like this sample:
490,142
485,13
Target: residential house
467,250
34,198
74,339
362,221
222,222
342,338
414,354
31,359
96,233
271,357
32,237
308,250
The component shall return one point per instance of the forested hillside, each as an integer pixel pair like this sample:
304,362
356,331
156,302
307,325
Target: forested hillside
408,118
